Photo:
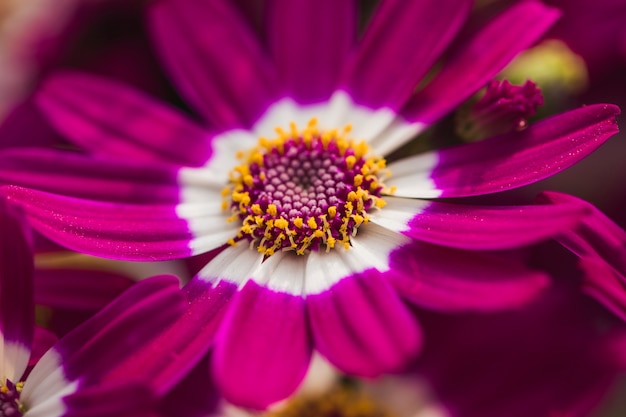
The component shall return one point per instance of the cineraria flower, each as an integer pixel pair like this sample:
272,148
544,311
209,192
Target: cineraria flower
66,380
319,240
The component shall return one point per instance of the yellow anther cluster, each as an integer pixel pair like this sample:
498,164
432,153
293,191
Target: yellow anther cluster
270,227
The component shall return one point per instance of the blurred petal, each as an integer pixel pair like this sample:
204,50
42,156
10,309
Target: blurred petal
309,41
215,60
108,118
91,350
137,316
399,47
603,284
17,321
166,360
600,244
451,280
121,399
78,289
82,176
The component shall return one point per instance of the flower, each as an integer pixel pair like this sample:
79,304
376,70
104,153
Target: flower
67,379
318,240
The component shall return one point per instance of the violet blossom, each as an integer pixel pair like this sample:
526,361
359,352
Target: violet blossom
319,242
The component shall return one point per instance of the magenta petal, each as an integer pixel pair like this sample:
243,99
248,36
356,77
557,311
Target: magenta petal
86,177
513,160
17,319
596,236
399,47
309,40
171,355
44,339
76,289
123,231
601,283
362,327
491,227
118,330
550,359
263,349
596,239
215,60
194,396
107,118
452,280
480,60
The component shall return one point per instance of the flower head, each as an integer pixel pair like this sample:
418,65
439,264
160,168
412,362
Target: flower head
319,242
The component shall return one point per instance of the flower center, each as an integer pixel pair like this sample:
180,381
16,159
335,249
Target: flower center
10,405
304,190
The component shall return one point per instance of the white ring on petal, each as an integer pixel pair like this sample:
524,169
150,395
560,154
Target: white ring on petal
395,135
214,175
46,386
208,223
13,359
235,264
398,212
412,176
285,111
283,272
370,249
340,110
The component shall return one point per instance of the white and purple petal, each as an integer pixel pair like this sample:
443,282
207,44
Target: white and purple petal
215,60
138,315
362,326
125,231
452,280
46,386
507,161
476,227
263,348
358,322
85,355
166,360
268,299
